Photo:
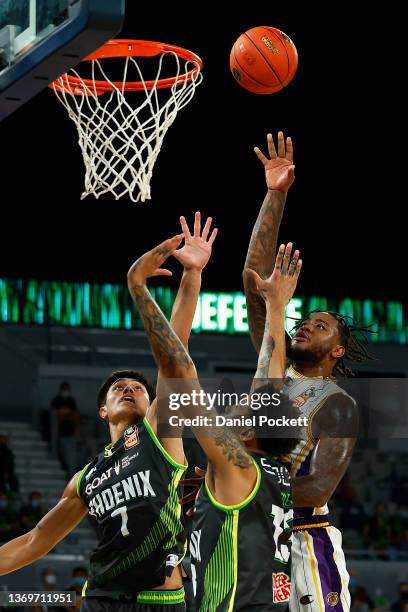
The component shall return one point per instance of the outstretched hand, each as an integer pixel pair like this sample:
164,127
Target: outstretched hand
281,285
150,263
279,169
197,248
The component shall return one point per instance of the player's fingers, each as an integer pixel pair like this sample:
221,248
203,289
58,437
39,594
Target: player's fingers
281,145
286,258
206,229
261,156
192,482
162,272
289,149
184,227
293,263
271,146
213,236
279,257
189,497
291,172
255,278
298,268
191,511
200,472
166,248
197,225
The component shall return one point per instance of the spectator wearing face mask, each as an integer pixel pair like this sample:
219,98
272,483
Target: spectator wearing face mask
8,479
49,582
79,576
64,397
32,513
402,603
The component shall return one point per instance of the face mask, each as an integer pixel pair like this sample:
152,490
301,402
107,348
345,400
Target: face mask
79,581
35,503
50,579
3,504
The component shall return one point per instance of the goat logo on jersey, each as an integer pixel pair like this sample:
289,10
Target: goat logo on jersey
131,437
281,587
301,399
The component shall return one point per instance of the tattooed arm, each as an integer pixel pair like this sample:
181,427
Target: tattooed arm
223,449
169,353
279,173
193,256
276,291
338,416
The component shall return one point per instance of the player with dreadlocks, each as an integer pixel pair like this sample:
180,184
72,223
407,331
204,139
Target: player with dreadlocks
318,350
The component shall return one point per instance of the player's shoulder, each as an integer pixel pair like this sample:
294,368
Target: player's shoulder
337,417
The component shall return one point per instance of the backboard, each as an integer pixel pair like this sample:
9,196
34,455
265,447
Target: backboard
42,39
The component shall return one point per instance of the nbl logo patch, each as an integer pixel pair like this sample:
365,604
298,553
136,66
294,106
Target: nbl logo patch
280,587
131,437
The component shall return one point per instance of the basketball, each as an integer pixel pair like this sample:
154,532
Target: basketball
263,60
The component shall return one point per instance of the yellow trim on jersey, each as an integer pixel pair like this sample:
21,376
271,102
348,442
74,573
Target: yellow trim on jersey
235,544
313,568
80,477
84,588
300,527
307,447
157,442
246,501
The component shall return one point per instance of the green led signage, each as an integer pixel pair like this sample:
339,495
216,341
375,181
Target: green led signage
110,307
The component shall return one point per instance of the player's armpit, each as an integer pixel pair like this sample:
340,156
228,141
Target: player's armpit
52,528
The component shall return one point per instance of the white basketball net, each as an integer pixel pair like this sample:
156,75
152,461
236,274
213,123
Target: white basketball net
120,142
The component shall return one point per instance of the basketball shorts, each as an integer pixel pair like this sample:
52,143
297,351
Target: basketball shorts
319,575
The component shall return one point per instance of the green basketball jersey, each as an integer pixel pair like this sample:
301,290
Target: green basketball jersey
132,492
241,554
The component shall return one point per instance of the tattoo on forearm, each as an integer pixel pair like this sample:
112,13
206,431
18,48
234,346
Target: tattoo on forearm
167,348
265,354
233,448
261,258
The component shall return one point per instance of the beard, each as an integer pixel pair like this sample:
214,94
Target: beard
308,355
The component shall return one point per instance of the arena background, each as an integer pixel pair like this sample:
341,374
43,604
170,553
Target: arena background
344,111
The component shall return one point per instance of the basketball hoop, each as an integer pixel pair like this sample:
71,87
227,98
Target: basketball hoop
119,139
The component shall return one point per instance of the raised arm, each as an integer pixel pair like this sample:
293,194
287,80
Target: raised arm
276,291
193,256
52,528
223,449
169,353
279,175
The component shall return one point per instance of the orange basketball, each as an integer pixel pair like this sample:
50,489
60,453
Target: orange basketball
263,60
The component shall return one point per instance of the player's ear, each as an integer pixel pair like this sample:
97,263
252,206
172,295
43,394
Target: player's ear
338,352
103,413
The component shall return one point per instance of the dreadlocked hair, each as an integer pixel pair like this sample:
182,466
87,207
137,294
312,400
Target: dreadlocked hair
354,339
